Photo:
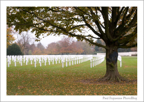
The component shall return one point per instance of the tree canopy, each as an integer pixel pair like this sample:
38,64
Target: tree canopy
112,24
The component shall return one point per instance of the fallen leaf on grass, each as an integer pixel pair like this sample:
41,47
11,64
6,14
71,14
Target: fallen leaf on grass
21,87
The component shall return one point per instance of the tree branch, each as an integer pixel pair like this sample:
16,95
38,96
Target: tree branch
96,21
124,16
83,37
24,24
130,13
128,38
126,29
128,46
92,37
106,22
46,29
88,25
118,16
77,8
113,14
115,11
99,9
82,25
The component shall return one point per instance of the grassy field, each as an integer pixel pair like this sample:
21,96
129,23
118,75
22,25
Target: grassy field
55,80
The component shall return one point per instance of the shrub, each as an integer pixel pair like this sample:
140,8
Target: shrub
14,49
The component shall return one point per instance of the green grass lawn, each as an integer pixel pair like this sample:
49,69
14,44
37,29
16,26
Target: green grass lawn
55,80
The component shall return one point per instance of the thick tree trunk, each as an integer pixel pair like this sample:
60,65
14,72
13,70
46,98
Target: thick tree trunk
112,74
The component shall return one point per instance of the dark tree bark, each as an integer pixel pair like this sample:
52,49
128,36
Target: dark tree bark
112,73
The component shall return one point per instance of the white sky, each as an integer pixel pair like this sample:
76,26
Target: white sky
49,39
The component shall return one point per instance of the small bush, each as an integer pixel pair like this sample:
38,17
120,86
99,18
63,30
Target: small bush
14,49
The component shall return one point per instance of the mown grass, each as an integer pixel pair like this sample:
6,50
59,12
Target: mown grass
55,80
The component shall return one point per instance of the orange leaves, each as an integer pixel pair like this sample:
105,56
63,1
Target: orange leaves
10,37
64,46
34,92
37,51
52,48
21,87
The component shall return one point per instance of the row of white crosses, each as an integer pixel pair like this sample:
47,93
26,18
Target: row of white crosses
96,60
41,58
14,59
73,59
65,60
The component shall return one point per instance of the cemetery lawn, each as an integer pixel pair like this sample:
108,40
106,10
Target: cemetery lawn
72,80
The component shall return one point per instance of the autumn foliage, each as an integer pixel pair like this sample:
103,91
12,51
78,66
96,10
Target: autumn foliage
65,46
10,37
68,46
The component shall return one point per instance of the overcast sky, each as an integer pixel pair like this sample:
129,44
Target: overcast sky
49,39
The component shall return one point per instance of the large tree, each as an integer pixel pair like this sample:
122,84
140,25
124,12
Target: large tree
116,26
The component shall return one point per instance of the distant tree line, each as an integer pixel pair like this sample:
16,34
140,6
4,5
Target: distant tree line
65,46
69,46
